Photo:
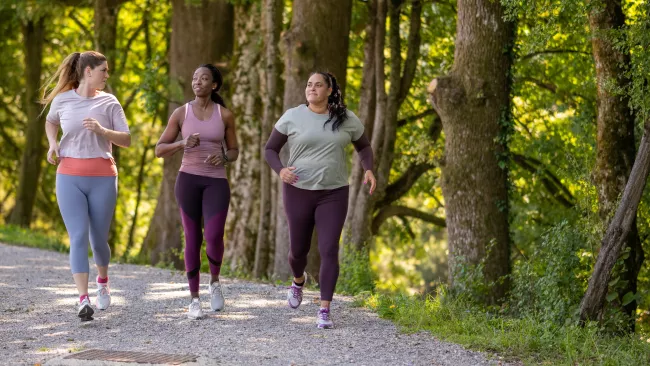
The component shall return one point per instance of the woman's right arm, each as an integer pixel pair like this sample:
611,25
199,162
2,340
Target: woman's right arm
167,144
52,131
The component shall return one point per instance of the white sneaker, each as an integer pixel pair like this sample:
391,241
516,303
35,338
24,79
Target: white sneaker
85,312
103,299
217,301
194,310
324,319
294,295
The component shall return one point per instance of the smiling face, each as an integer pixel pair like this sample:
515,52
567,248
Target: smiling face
317,89
202,82
97,77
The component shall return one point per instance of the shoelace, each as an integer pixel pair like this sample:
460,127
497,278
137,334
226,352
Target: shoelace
195,306
296,293
103,291
324,315
214,289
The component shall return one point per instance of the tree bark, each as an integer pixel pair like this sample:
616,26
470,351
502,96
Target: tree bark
273,10
200,33
318,39
615,138
34,150
245,172
473,102
105,40
618,231
387,105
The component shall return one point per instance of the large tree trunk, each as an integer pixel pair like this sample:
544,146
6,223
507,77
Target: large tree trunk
213,21
473,102
383,128
105,33
617,233
366,113
246,104
318,39
34,150
273,10
615,139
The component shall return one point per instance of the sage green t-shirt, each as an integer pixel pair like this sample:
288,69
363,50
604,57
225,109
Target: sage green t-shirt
317,152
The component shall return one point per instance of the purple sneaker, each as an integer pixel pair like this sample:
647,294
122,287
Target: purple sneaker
325,319
294,296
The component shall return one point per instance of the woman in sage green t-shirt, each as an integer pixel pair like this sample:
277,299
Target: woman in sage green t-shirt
315,191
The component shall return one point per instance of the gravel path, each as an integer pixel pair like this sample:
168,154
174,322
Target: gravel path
38,322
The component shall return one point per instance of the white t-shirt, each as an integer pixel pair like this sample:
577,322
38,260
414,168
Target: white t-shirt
69,109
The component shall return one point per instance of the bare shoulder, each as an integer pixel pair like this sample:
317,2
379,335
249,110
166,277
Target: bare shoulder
178,115
227,115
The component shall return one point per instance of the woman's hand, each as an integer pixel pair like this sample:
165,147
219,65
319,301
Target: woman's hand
287,176
53,154
93,125
215,159
192,141
370,177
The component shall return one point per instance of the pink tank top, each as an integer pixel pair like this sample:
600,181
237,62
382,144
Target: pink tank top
211,139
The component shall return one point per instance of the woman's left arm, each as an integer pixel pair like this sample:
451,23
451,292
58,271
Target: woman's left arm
363,148
122,139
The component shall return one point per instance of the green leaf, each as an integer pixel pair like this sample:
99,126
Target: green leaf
628,298
614,281
611,296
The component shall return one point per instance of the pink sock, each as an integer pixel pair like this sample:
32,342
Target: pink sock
82,297
102,280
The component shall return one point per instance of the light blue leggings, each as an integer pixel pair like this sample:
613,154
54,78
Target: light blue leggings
87,205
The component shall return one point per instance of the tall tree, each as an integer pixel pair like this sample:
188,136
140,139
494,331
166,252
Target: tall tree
247,106
473,102
105,40
615,137
382,122
317,39
33,30
271,94
201,32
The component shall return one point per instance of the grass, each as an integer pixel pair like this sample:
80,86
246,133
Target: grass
526,339
10,234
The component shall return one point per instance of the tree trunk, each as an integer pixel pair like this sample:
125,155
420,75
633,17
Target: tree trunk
617,233
366,113
34,150
318,39
105,34
473,102
615,139
272,17
387,105
246,104
212,20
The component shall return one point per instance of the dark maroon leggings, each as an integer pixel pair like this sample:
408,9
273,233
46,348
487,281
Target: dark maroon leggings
325,209
208,198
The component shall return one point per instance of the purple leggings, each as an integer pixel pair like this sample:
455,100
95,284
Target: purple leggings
208,198
325,209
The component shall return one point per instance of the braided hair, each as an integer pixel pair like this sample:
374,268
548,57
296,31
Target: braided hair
216,78
335,105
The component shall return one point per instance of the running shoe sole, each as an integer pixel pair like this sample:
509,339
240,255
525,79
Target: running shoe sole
86,313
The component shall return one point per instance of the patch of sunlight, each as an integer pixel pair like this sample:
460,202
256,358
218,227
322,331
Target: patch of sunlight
234,316
55,334
303,320
60,290
247,303
46,325
167,286
168,295
7,267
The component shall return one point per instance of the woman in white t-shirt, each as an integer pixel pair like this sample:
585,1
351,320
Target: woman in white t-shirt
86,180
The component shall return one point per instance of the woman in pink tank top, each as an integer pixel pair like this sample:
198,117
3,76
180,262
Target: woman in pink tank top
209,143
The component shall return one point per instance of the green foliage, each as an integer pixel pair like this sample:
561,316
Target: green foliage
550,283
10,234
528,339
355,275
